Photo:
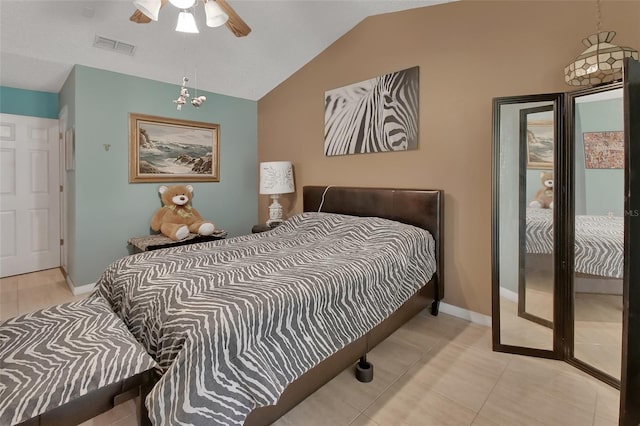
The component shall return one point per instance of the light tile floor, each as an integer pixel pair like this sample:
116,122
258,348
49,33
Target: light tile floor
597,326
432,371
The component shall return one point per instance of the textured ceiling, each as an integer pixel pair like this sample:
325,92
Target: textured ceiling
40,41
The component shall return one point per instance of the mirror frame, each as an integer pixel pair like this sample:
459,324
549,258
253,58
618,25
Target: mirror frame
568,210
558,103
522,286
630,388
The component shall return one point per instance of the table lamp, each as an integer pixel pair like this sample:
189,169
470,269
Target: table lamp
276,177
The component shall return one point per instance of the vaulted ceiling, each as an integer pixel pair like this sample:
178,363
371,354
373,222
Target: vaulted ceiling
40,41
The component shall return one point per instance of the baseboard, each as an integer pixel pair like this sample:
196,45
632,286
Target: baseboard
509,294
83,289
598,285
465,314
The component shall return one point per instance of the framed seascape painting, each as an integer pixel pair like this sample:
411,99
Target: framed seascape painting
537,135
375,115
603,150
171,150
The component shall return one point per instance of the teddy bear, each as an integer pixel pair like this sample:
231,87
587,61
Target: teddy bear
544,197
177,218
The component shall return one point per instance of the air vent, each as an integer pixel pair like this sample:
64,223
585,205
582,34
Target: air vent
114,45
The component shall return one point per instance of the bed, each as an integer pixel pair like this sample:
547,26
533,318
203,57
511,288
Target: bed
245,328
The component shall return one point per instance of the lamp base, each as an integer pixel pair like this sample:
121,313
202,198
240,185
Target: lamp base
275,211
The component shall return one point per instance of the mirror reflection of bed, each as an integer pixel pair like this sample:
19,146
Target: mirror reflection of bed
597,283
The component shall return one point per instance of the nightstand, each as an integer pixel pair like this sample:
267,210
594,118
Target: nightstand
159,241
262,227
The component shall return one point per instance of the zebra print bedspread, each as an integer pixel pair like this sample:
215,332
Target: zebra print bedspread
53,356
600,246
233,322
599,241
539,234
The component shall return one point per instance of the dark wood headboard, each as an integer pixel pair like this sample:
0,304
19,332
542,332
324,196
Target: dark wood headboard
418,207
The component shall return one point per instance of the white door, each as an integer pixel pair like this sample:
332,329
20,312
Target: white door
29,194
62,128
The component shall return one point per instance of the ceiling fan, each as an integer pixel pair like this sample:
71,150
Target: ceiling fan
218,12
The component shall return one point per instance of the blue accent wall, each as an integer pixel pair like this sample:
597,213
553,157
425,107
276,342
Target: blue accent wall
107,209
28,102
67,99
597,191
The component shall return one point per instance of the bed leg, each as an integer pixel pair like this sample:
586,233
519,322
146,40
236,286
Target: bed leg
435,307
145,388
364,370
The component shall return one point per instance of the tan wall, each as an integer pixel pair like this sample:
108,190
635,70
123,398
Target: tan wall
468,52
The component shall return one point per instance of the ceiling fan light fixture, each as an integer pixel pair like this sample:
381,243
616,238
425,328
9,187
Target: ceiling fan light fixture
215,15
186,23
183,4
150,8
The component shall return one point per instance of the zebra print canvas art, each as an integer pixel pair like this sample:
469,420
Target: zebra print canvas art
232,322
375,115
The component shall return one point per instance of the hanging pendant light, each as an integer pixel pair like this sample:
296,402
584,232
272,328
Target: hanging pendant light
215,15
186,23
601,62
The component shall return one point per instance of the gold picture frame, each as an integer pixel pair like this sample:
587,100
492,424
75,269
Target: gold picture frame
537,134
171,150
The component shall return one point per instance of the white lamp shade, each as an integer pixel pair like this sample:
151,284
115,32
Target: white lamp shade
151,8
215,14
186,23
183,4
276,177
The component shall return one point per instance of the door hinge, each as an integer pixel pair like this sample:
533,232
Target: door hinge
61,242
60,135
61,188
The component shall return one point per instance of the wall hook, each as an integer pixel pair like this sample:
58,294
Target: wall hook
106,146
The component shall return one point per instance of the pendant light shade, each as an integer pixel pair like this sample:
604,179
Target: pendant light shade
186,23
183,4
600,63
150,8
215,15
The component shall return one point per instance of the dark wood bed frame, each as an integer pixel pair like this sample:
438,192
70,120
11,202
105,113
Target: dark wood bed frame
421,208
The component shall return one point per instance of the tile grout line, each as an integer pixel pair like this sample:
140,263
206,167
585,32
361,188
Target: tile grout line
595,407
492,389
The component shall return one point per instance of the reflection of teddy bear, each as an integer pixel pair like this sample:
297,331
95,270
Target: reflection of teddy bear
177,218
544,196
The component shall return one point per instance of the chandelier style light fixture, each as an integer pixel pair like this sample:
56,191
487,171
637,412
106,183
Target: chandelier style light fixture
182,99
215,16
601,62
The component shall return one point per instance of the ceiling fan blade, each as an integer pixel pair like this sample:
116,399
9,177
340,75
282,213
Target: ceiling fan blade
235,23
140,18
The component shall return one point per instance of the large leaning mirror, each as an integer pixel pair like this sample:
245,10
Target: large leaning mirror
565,276
526,134
597,135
